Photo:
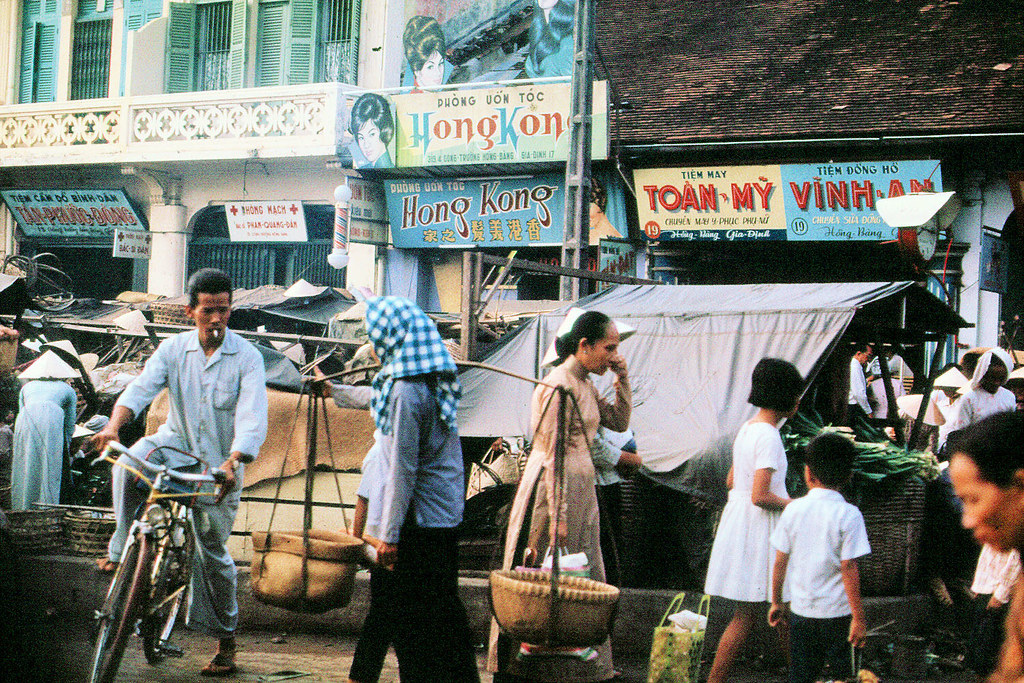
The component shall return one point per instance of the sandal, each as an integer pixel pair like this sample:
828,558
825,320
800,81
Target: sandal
223,664
105,565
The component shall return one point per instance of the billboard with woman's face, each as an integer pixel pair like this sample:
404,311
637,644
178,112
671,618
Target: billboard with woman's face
459,41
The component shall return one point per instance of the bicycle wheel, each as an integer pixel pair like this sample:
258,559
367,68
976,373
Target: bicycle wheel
124,602
171,568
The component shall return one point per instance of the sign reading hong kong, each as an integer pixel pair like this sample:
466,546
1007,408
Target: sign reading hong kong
510,124
819,202
71,213
498,212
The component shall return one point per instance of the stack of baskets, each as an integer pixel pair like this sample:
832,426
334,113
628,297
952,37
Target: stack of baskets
169,313
36,532
88,531
894,521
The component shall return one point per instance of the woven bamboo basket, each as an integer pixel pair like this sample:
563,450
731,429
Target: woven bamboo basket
894,524
276,570
521,602
169,313
36,532
88,531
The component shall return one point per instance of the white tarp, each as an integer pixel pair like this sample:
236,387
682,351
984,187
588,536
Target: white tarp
689,362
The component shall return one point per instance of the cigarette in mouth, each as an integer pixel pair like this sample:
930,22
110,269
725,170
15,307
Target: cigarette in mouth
216,333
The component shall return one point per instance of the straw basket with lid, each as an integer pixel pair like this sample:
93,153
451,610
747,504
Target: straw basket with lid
308,570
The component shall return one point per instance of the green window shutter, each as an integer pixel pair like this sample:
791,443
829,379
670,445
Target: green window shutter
28,59
137,13
269,39
239,40
300,47
46,63
39,31
181,40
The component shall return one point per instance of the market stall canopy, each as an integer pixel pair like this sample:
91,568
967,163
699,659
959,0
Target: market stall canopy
692,355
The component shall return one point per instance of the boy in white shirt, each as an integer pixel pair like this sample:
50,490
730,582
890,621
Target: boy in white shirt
818,540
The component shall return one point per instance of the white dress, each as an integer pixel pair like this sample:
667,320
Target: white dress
742,555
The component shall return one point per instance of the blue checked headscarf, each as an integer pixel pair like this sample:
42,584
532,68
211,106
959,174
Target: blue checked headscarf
407,342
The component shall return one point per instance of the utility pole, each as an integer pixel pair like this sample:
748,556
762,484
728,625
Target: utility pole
577,169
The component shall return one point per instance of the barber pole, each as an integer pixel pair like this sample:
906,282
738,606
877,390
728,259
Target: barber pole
338,258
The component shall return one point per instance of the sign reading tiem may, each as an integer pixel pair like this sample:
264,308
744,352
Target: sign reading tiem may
820,202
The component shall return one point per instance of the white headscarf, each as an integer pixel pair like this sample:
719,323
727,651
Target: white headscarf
986,359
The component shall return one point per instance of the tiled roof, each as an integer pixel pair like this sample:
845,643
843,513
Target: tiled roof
705,71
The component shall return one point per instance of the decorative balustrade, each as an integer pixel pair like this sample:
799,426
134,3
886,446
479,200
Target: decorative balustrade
291,118
61,128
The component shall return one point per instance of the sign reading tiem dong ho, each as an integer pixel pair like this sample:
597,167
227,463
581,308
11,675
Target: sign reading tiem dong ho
71,213
806,202
497,212
511,124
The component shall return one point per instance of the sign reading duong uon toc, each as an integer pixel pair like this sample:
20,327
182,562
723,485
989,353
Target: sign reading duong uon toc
497,212
510,124
280,221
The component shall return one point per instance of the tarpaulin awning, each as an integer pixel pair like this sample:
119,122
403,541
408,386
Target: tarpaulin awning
690,360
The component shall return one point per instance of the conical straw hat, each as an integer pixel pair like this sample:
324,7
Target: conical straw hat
49,366
950,379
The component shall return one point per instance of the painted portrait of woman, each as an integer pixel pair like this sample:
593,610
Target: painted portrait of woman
373,128
425,49
551,39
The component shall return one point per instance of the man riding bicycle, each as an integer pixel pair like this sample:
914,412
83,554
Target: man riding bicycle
218,412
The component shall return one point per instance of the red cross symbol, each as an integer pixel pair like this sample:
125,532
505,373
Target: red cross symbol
233,209
294,209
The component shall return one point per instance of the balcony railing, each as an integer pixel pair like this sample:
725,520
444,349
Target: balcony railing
225,124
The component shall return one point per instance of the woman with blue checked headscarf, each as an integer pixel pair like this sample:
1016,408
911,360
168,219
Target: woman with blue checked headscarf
414,404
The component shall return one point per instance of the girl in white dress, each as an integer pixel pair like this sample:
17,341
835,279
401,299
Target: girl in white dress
741,557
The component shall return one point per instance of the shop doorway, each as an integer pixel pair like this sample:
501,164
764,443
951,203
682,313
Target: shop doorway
93,271
1012,310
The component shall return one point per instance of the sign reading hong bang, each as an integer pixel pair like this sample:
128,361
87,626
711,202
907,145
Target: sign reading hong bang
512,124
71,213
820,202
499,212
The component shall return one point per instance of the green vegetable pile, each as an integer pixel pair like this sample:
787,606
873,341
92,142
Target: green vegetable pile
880,463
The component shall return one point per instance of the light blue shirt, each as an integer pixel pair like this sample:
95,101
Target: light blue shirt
422,463
218,405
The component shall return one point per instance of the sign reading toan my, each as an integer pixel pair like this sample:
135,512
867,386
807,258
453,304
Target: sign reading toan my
281,221
71,213
498,212
810,202
511,124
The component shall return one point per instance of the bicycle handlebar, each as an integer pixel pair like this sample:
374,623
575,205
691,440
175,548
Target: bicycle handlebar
215,477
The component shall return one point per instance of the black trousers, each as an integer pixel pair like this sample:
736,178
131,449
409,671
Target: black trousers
377,633
431,632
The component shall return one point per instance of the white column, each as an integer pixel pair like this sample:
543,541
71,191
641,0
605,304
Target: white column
66,41
168,223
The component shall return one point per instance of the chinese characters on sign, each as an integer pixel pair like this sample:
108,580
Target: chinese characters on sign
266,221
498,212
820,202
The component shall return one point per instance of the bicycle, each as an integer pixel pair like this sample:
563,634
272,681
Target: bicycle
152,578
